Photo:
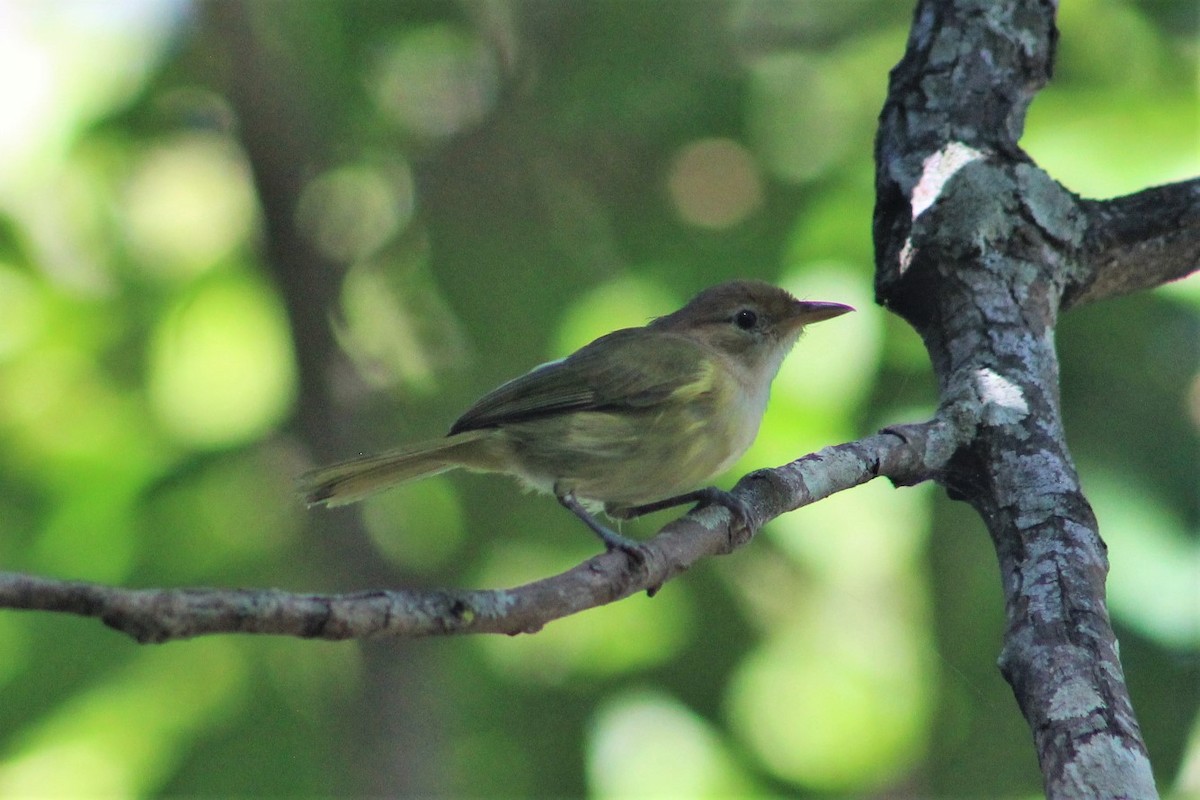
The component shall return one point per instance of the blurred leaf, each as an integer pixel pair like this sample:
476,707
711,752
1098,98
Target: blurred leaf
839,696
838,701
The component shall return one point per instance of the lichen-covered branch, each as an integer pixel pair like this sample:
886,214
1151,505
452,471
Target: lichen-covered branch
160,615
980,250
1138,242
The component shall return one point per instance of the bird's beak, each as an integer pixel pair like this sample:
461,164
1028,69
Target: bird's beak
815,311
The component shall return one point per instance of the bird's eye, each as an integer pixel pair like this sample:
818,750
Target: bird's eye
745,319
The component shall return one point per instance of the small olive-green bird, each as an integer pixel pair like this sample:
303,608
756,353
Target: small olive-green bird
631,423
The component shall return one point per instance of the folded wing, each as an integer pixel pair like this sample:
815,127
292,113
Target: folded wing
625,369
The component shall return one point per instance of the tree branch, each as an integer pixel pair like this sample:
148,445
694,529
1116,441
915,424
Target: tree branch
1138,242
980,250
907,456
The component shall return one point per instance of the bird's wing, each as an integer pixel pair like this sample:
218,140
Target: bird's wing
625,369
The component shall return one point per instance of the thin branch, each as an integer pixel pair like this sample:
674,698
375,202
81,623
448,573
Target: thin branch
1138,242
907,456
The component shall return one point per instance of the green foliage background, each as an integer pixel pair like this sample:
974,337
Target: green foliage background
239,239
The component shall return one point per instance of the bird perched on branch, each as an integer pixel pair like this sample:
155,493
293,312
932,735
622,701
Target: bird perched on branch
632,423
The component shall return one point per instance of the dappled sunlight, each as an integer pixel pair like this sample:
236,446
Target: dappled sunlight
350,212
840,699
1187,782
188,203
1069,135
840,695
50,80
63,415
830,228
811,109
436,80
125,734
1072,133
23,311
644,743
714,183
834,364
799,123
418,526
874,533
457,192
1154,572
822,386
67,219
627,302
220,367
397,327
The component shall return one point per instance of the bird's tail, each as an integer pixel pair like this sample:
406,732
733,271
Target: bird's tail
353,480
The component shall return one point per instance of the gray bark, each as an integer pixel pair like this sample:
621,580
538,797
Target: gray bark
981,250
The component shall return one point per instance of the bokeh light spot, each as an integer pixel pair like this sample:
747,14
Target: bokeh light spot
221,366
714,183
1154,582
437,81
627,302
351,212
839,702
646,744
125,735
397,327
49,78
22,311
836,360
798,116
418,526
188,203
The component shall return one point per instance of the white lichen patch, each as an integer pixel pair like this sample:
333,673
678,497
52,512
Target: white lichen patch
1074,699
712,517
1003,401
1104,766
936,171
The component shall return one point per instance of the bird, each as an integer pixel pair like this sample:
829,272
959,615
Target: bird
631,423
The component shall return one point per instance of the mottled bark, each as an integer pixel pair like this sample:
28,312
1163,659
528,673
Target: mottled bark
980,250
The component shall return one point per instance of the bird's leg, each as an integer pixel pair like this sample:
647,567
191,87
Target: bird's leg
708,496
612,540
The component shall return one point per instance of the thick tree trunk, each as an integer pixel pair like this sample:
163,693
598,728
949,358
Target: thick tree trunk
980,250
